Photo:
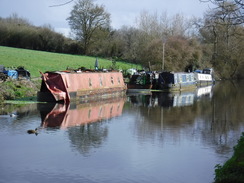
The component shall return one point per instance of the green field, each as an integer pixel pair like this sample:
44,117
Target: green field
40,61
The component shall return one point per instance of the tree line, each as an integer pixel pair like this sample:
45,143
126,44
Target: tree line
18,32
156,41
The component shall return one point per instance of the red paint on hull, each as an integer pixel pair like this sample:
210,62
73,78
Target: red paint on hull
63,86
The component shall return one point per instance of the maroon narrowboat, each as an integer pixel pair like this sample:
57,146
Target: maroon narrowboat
64,86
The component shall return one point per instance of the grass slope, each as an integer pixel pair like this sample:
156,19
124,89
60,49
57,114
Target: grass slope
36,61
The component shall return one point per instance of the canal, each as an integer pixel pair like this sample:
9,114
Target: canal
173,138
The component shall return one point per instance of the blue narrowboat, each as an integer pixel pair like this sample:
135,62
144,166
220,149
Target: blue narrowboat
176,81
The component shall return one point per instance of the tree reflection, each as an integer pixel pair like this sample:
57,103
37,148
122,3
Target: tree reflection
217,120
227,114
86,137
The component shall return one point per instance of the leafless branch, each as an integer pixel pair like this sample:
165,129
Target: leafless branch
56,5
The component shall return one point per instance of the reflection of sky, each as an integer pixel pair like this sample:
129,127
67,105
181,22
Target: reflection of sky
168,160
124,157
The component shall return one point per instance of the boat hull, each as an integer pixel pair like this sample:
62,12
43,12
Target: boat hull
66,87
179,87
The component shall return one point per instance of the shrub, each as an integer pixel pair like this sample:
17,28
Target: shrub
233,170
14,89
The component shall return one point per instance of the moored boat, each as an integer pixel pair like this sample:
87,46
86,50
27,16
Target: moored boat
176,81
204,77
64,86
140,81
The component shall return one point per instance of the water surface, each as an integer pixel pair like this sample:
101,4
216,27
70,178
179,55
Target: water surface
173,138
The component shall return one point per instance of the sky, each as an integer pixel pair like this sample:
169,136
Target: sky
123,12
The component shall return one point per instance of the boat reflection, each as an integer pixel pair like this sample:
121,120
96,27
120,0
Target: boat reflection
172,99
63,116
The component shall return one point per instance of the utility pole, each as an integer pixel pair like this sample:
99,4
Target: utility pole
163,57
164,41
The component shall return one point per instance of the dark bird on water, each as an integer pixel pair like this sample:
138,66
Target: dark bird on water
33,131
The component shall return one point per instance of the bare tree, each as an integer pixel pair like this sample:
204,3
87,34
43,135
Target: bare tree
235,8
62,4
181,26
85,18
224,31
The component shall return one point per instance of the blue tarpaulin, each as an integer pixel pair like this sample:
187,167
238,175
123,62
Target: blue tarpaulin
12,74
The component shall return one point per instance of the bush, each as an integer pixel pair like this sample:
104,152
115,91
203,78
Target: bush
233,170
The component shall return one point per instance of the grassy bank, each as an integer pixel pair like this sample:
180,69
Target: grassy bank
14,89
233,170
36,61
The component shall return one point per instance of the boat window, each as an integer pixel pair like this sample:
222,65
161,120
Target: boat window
101,81
89,113
111,110
90,82
112,80
183,78
118,107
100,112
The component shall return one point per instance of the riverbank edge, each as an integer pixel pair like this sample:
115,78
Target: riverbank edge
232,171
18,89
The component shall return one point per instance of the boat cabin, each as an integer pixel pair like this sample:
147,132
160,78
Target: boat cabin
176,80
